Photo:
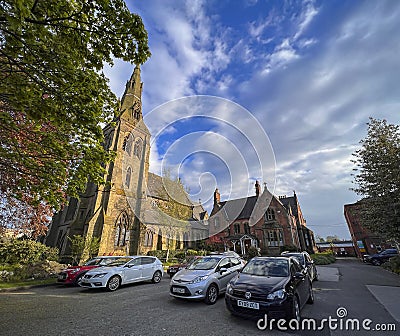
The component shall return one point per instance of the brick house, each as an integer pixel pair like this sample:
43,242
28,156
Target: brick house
264,221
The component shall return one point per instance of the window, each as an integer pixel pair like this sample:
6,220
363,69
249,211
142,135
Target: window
122,230
147,260
128,177
128,143
236,228
275,238
235,261
224,263
148,238
270,215
137,151
246,228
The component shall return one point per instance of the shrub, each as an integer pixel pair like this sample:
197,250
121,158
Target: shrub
25,252
323,258
393,264
252,252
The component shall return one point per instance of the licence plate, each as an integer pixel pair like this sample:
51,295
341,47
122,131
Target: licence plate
178,290
61,277
248,304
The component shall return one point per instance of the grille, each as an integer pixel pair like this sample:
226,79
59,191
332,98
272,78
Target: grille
257,297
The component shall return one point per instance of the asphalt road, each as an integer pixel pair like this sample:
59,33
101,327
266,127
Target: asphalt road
365,291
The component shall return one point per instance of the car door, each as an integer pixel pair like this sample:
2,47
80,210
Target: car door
224,276
132,271
148,267
302,285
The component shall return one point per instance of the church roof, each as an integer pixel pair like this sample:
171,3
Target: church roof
164,188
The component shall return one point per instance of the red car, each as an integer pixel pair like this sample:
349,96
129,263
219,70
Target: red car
173,269
73,274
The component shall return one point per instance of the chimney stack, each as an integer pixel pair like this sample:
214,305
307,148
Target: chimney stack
258,188
217,197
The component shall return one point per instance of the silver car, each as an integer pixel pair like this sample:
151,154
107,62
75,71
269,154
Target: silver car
123,271
205,278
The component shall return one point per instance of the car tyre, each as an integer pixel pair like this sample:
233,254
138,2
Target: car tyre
156,277
113,283
211,294
295,314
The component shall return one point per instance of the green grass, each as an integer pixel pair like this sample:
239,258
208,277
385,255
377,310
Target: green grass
12,284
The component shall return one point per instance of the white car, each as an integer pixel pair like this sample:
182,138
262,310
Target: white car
122,271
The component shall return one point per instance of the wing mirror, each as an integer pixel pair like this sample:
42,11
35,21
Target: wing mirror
222,270
299,275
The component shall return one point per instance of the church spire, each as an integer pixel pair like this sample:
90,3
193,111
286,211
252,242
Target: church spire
131,104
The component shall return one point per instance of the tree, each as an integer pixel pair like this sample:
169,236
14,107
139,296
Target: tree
53,94
330,239
378,179
80,245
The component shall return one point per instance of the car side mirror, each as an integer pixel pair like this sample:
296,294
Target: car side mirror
299,275
222,270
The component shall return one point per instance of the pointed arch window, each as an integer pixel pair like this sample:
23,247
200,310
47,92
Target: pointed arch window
128,144
122,230
148,238
246,228
128,177
137,151
185,240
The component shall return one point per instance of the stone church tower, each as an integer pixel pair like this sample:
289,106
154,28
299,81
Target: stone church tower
111,212
136,211
118,204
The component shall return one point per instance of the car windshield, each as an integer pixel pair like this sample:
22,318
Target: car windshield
119,262
267,267
205,263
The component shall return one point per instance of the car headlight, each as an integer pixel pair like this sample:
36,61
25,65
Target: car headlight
279,294
229,289
75,270
199,279
100,275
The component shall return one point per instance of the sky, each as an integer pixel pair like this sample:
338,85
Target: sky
274,91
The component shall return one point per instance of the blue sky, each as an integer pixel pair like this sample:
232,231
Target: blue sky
311,73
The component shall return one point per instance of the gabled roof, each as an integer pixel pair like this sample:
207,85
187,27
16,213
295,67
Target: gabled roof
290,202
165,189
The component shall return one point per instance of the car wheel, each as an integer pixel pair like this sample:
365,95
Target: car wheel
295,314
211,295
311,297
78,279
156,277
375,262
113,283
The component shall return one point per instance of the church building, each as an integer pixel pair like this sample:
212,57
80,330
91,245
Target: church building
136,211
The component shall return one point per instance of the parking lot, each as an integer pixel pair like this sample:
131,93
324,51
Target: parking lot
147,308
